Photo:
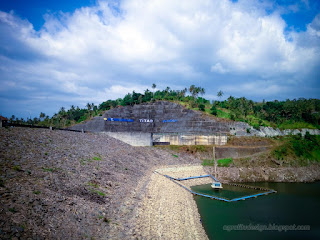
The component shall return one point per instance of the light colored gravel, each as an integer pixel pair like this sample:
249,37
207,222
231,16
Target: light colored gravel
168,211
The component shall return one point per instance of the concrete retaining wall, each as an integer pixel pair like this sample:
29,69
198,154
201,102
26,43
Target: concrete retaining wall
132,138
190,139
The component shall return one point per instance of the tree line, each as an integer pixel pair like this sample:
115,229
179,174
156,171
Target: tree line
294,113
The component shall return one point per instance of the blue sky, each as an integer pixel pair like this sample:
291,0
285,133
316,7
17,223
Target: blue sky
63,53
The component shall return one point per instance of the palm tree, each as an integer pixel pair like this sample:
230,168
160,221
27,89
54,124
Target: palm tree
153,87
183,92
191,89
220,94
12,118
202,92
195,91
62,110
42,116
88,106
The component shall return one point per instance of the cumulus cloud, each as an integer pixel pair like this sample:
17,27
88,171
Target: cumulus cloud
107,50
314,27
218,68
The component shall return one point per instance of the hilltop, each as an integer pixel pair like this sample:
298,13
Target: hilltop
289,114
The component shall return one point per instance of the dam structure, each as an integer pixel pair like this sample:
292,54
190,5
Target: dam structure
159,123
168,123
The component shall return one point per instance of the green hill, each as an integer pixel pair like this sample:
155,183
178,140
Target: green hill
289,114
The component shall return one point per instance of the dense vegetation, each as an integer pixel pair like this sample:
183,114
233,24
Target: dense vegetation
289,114
298,150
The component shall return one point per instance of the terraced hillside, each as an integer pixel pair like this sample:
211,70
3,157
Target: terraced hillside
157,117
168,117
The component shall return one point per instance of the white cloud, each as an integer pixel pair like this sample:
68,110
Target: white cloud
97,52
218,68
314,27
256,88
117,91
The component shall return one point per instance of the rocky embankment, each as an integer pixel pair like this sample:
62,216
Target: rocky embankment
167,210
242,129
267,174
67,185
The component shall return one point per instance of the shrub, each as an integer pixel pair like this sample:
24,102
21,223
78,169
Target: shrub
225,162
207,162
202,107
213,110
97,158
280,153
299,149
17,168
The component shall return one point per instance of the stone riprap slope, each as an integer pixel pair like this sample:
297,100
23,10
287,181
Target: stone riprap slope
241,129
167,117
267,174
168,211
67,185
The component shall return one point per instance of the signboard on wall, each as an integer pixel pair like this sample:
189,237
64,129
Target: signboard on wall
118,120
146,120
141,120
170,121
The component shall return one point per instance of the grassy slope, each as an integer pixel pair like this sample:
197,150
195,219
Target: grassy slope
251,119
286,151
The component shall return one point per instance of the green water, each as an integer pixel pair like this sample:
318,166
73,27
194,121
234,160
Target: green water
294,205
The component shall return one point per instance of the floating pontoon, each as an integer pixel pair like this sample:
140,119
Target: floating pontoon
216,185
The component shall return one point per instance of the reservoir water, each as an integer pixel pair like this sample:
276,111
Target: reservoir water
291,213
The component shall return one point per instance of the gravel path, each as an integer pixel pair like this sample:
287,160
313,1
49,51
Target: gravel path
67,185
